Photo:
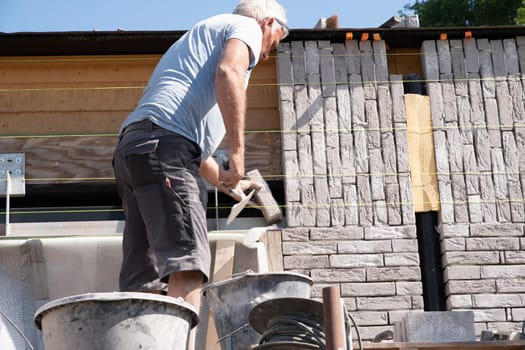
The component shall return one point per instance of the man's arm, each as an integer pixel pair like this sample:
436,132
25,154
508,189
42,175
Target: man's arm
231,98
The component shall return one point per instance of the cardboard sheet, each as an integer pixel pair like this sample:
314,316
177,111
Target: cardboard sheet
421,153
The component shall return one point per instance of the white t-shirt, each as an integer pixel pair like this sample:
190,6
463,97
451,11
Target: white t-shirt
180,95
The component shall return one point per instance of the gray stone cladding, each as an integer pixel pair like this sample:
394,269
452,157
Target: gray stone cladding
350,217
476,90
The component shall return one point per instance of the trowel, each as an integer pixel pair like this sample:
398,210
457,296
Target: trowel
238,207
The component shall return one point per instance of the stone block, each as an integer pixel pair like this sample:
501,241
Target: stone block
397,273
374,127
505,107
398,99
465,112
393,204
430,61
493,122
459,67
368,70
288,122
482,149
384,101
353,57
322,202
327,68
380,212
343,107
471,55
462,272
337,212
340,63
498,58
401,140
313,61
292,181
376,174
357,100
407,200
471,170
380,60
351,205
436,327
445,59
516,93
365,201
450,108
511,56
361,151
298,60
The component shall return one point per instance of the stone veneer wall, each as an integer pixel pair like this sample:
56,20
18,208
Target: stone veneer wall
350,216
477,101
348,191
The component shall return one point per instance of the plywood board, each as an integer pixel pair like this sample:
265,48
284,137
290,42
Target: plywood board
421,151
88,158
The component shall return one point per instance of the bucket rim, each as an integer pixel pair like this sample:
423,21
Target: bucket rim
256,274
115,296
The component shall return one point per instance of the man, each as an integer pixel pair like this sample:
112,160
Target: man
195,96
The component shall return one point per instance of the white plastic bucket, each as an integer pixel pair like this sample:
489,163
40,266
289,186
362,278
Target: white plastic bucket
116,321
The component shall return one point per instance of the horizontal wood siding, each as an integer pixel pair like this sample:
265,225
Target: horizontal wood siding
65,112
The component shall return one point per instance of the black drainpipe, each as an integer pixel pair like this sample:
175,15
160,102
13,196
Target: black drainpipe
427,235
430,261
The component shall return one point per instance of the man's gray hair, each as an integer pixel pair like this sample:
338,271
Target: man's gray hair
261,9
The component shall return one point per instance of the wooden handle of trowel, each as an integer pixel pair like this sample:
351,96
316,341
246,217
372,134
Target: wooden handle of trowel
264,198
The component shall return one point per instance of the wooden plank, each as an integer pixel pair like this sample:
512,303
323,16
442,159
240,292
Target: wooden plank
272,240
223,260
88,158
265,71
71,70
262,119
68,122
109,98
223,269
105,121
100,88
259,96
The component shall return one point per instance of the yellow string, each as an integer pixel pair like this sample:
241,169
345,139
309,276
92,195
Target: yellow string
295,131
357,54
303,176
293,205
306,83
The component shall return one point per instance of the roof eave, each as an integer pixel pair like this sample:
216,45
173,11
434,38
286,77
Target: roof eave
156,42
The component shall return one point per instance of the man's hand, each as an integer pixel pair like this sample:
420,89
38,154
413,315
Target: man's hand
244,186
231,173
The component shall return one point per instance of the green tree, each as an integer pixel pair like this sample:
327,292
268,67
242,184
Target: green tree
520,17
449,13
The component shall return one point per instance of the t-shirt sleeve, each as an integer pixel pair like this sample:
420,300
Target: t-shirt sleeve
249,31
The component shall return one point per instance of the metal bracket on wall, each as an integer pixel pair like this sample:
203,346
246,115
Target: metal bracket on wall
12,174
12,180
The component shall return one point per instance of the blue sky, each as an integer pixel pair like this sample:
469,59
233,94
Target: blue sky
82,15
